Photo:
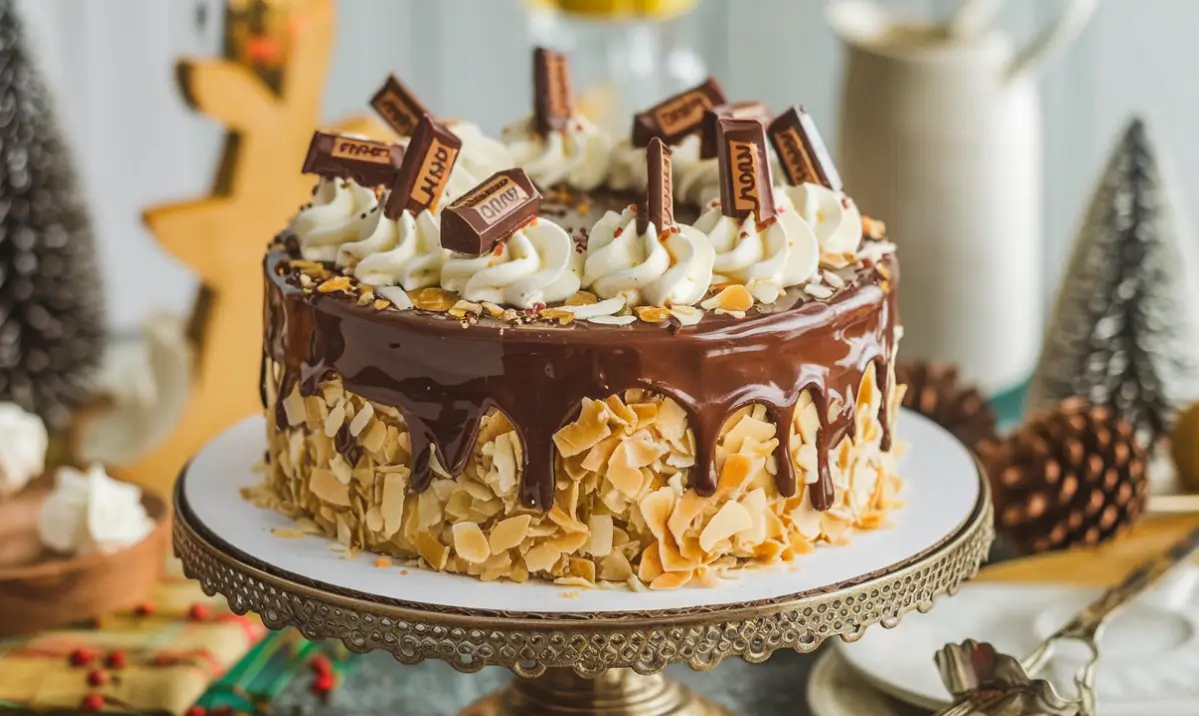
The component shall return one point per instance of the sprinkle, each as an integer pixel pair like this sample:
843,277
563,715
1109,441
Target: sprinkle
82,657
97,678
199,612
116,660
92,702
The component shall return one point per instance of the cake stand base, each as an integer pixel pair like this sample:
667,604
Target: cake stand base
617,692
579,652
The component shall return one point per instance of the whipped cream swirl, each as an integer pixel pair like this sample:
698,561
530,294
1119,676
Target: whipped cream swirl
403,252
578,156
537,264
767,257
335,216
834,217
656,268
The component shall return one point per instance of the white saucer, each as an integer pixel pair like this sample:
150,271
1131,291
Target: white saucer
943,491
1150,663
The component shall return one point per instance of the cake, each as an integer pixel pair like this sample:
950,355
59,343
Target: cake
558,356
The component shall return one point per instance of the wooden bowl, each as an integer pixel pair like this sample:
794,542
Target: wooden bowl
40,590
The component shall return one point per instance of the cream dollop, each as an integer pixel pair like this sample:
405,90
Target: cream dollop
655,268
834,216
335,216
23,444
578,155
91,512
767,258
537,264
403,252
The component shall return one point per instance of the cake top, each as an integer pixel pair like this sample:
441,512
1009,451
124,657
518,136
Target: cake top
708,206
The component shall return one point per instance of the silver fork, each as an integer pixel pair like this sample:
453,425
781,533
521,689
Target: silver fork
985,682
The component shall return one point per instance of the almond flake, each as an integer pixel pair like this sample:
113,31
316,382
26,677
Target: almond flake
728,521
734,297
652,314
599,542
817,290
687,315
670,580
325,485
433,299
582,298
337,283
564,318
613,320
470,543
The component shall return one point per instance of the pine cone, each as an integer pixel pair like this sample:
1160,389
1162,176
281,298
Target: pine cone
934,392
1073,475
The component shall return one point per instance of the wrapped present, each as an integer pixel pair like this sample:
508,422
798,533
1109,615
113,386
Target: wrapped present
159,657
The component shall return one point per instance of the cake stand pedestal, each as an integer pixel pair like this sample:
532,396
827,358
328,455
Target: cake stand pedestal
580,651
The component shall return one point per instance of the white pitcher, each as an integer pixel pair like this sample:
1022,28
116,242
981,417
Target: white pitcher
940,137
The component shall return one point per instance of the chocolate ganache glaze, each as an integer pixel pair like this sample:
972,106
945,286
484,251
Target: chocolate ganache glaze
444,378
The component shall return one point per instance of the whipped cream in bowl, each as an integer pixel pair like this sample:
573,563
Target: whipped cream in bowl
767,257
833,215
335,217
579,155
536,265
403,252
88,511
23,444
657,268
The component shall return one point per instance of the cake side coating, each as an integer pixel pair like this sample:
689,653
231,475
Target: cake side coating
585,430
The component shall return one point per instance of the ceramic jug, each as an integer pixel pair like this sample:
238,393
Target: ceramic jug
940,137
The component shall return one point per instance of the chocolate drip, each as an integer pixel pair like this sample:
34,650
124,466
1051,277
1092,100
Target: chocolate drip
444,378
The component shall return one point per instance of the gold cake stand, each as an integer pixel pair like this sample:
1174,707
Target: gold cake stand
583,663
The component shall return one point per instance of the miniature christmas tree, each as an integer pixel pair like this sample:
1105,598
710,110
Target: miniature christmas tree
51,303
1125,329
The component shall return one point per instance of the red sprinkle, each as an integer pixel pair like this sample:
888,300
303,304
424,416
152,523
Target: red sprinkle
82,657
320,665
199,612
116,660
92,702
322,686
222,711
97,678
196,711
619,231
145,609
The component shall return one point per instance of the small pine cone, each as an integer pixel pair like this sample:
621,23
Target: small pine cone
1073,475
934,392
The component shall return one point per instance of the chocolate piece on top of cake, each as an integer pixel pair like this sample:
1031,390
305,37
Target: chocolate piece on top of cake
398,106
425,171
802,152
677,117
490,213
660,191
751,109
362,160
745,183
553,96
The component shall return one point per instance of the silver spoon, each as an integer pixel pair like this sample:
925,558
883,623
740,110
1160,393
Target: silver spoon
985,682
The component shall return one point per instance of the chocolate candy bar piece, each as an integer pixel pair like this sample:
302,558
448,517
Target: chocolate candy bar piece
425,171
553,96
676,117
752,109
802,153
745,184
366,162
489,213
660,200
398,106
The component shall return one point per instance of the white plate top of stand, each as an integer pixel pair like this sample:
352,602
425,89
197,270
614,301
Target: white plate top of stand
941,492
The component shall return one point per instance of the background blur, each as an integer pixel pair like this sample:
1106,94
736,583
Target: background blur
111,64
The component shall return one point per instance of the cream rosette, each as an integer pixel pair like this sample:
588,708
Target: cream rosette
404,252
578,155
767,257
334,217
657,268
536,265
831,214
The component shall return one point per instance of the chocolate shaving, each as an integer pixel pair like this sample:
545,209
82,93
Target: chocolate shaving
489,213
553,96
423,175
398,106
745,183
365,162
802,153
